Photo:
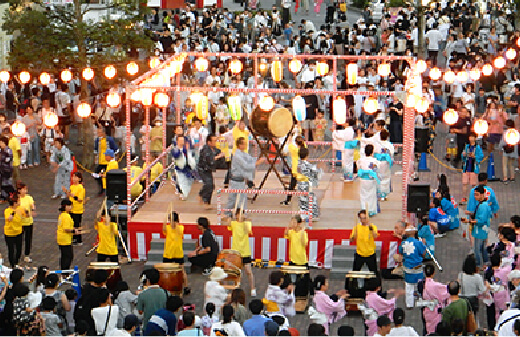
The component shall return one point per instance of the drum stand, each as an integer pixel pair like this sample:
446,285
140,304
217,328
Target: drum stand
265,151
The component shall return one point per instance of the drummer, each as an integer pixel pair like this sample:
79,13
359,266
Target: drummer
298,242
173,252
242,170
107,234
241,229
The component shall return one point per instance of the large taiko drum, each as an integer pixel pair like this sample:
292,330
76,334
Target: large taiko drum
171,277
231,261
299,276
277,122
113,271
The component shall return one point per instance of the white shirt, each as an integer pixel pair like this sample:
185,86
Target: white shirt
100,314
506,329
118,332
403,331
339,137
216,294
232,329
433,36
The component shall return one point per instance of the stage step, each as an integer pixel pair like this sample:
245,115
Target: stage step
155,254
343,260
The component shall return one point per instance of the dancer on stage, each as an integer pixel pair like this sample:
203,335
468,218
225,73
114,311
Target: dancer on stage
206,165
308,176
27,205
64,234
367,171
364,234
293,148
298,242
433,291
379,305
241,229
76,195
413,251
184,165
107,234
173,252
386,159
242,170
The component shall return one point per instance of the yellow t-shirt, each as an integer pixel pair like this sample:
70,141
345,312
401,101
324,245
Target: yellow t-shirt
365,245
107,238
237,133
102,147
112,165
223,146
137,188
13,227
27,203
240,232
78,191
297,250
173,245
14,145
156,145
156,170
293,153
65,224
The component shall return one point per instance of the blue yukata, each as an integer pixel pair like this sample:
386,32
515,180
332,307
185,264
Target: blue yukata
426,233
448,206
438,216
491,200
413,252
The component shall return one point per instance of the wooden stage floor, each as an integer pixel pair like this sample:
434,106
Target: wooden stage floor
339,204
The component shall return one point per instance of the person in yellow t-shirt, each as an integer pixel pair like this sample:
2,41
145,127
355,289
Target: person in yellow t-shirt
292,161
64,234
241,229
239,130
156,145
13,230
155,172
28,208
107,234
112,164
364,234
76,195
298,241
15,146
101,145
173,252
135,171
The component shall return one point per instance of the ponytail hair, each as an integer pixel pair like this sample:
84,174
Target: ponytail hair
210,309
227,313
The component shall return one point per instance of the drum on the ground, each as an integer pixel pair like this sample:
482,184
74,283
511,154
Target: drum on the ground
300,278
171,277
113,270
275,123
355,286
231,261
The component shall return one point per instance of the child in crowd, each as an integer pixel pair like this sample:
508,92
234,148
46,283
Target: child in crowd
451,146
209,318
53,323
24,144
125,300
72,297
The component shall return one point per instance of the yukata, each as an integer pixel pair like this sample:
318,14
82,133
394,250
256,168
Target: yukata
434,291
242,170
450,208
308,176
499,296
367,171
6,173
343,141
334,311
381,306
490,197
184,165
413,251
384,170
65,165
284,301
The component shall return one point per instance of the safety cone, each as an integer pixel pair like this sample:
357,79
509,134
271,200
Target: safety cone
423,165
338,158
491,168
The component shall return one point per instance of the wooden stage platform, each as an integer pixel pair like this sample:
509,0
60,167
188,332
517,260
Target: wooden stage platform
339,204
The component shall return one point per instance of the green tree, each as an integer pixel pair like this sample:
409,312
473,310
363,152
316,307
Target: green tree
51,39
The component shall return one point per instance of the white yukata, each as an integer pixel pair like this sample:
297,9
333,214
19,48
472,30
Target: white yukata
65,165
367,171
386,159
342,142
184,166
242,170
215,293
282,298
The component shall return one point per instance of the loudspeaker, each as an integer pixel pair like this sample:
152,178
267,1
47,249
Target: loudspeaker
116,186
418,198
422,137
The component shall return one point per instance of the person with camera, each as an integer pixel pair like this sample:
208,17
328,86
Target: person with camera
364,234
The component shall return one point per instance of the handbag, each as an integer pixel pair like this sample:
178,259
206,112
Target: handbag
471,323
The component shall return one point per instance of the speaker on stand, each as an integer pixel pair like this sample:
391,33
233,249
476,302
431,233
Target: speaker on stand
418,198
116,198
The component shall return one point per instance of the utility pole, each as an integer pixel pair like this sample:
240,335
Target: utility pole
421,53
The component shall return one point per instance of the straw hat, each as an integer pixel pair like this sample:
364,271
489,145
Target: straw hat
217,274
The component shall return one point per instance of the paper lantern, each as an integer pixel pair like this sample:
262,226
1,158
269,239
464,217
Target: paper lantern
84,110
499,62
295,66
88,74
113,99
136,96
518,42
370,105
510,54
66,75
422,105
18,128
263,67
201,64
299,108
161,100
383,69
277,70
50,119
24,77
352,72
176,66
449,77
480,126
339,108
450,116
201,108
146,97
462,76
411,100
235,107
195,96
154,62
45,78
474,74
421,66
4,76
110,71
235,66
435,74
322,68
132,68
487,69
267,103
512,137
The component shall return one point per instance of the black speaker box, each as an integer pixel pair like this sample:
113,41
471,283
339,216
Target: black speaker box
116,186
418,198
422,137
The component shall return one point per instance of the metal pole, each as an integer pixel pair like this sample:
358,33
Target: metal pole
128,146
164,140
147,145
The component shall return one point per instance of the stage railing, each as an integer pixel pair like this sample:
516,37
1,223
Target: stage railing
221,210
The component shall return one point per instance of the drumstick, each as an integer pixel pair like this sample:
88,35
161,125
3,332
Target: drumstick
128,257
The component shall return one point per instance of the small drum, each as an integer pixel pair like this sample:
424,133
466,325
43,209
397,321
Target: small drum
113,269
275,123
231,261
299,276
171,277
